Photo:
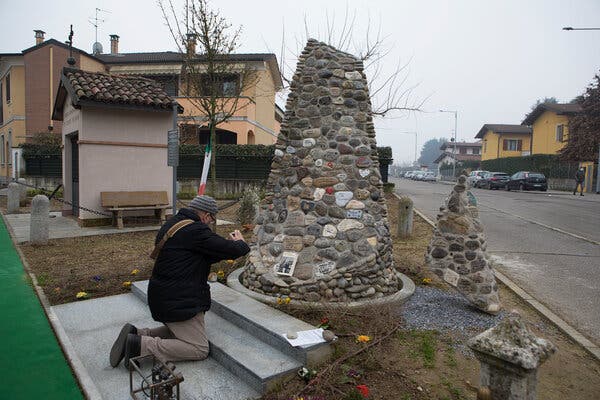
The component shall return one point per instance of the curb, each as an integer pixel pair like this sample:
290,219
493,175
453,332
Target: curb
561,324
408,288
88,387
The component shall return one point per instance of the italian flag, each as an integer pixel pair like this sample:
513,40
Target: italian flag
205,167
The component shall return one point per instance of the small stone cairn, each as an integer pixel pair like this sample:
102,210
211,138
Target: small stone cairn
324,211
510,356
457,251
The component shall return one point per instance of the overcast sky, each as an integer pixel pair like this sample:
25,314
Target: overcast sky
489,60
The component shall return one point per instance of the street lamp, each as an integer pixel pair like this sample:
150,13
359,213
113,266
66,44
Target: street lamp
454,140
413,133
570,28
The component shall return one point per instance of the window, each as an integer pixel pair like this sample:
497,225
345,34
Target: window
475,150
462,150
512,144
560,133
219,84
484,146
8,88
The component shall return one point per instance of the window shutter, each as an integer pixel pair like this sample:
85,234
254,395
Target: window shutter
519,145
504,144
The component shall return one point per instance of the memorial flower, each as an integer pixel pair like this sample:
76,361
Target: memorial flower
127,284
363,339
81,295
324,323
229,262
426,281
220,275
135,272
363,389
97,278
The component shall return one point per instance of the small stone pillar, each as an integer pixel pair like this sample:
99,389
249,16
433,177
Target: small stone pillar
510,356
405,216
22,191
40,220
12,203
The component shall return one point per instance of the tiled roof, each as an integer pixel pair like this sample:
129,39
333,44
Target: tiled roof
115,89
560,109
449,145
458,157
503,128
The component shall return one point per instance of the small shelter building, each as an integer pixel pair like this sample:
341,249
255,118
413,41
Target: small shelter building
114,137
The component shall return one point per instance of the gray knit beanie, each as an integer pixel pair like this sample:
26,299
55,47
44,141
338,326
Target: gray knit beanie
204,203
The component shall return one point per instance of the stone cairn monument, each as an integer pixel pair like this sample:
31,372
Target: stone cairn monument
322,232
457,251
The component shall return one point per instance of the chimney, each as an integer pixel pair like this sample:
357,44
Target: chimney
39,36
114,44
191,43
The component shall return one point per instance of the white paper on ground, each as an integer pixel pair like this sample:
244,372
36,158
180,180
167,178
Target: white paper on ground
311,336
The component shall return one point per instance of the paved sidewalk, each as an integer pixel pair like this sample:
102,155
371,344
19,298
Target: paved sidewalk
32,363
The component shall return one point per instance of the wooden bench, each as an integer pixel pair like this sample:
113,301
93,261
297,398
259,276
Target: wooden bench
117,202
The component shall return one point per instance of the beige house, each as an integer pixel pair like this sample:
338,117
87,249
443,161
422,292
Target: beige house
255,122
114,132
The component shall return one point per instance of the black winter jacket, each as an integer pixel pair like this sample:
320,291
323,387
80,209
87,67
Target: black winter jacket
178,288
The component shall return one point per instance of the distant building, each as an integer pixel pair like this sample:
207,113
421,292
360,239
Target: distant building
503,140
459,151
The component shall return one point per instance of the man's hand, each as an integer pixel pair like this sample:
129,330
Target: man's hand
237,235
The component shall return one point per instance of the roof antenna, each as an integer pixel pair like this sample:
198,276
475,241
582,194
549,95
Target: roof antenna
95,21
71,60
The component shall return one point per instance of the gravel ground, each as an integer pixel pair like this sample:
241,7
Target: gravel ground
430,308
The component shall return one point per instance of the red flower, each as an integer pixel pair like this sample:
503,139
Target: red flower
329,190
363,389
324,320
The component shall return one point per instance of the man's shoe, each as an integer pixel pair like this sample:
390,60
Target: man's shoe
133,348
581,194
117,352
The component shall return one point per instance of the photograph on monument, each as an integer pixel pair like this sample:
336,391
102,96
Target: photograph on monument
287,263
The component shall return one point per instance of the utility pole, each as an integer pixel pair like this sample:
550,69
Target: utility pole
453,139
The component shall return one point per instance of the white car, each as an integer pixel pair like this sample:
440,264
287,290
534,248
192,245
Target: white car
429,177
475,176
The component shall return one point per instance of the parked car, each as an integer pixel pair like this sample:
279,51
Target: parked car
475,176
493,180
418,175
429,177
525,180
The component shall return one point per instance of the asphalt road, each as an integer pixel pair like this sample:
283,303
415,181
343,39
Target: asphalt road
548,243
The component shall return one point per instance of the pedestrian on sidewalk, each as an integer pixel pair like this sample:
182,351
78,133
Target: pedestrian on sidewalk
178,291
579,178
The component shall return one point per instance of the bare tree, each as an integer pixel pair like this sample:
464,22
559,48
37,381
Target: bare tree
215,81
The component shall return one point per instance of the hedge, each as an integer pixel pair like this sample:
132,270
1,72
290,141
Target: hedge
548,164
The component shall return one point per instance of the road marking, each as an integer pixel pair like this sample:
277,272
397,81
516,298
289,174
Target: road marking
568,330
545,226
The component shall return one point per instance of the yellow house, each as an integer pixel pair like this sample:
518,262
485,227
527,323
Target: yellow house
502,140
12,114
254,122
550,126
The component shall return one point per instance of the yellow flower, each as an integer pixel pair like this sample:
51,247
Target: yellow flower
220,274
229,261
127,284
81,295
279,300
363,339
426,281
135,272
287,300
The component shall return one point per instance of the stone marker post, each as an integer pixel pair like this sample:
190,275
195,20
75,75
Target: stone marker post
405,216
22,191
40,220
12,206
510,356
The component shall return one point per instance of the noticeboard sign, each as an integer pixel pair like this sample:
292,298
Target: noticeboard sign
173,148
